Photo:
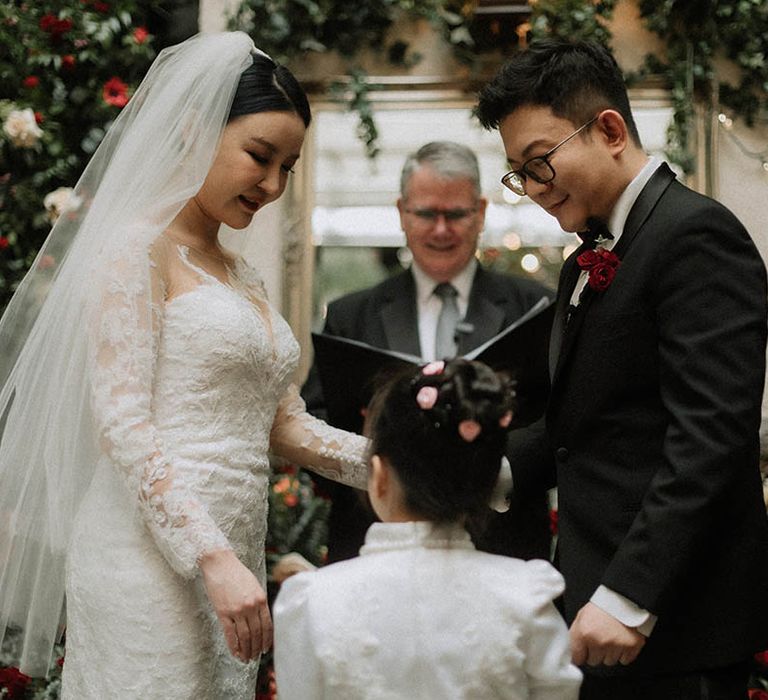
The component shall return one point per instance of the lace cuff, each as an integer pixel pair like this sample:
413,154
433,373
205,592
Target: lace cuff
312,443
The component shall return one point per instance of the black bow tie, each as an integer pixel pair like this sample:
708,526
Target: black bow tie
597,230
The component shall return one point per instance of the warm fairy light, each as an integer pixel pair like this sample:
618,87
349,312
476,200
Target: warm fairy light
512,241
530,263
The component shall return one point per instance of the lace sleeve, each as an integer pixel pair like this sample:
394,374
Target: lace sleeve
125,330
312,443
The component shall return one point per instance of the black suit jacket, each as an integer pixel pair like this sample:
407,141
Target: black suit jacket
385,316
652,432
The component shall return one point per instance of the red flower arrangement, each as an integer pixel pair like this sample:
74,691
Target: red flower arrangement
54,26
140,35
13,682
601,264
115,92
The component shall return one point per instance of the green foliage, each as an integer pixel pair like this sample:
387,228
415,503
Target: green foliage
696,33
292,29
297,518
572,19
56,57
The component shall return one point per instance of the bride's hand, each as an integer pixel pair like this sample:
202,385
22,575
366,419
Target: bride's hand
240,604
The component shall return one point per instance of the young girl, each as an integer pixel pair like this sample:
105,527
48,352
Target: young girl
422,614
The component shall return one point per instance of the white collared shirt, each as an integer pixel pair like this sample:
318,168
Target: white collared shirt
428,305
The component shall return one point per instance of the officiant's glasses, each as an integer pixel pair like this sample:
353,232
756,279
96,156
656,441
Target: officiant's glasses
429,217
538,168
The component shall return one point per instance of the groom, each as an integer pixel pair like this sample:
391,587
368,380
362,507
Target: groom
657,360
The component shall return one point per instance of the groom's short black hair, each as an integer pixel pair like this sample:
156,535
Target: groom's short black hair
576,80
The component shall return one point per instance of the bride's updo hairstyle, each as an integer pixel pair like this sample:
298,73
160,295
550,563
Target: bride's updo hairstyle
443,431
266,86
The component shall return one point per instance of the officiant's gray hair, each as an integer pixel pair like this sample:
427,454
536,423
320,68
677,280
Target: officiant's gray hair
449,160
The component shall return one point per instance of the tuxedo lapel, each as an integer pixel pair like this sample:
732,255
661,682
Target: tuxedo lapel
638,215
568,280
398,316
485,314
643,206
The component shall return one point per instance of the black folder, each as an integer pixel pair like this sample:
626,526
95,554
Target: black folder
350,371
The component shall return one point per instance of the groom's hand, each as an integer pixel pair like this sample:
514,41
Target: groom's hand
599,638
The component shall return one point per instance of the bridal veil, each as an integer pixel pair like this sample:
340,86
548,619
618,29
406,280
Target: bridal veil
153,159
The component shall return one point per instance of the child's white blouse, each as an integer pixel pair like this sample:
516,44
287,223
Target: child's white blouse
422,614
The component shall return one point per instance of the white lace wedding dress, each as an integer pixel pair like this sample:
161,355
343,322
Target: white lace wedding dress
187,419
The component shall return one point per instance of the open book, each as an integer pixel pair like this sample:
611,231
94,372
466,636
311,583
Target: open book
350,371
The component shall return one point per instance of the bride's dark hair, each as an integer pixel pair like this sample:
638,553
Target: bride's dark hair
444,435
266,86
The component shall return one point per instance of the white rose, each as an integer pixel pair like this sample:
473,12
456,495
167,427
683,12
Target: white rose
21,128
60,200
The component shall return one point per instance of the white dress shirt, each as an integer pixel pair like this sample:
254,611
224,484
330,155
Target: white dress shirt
428,305
420,615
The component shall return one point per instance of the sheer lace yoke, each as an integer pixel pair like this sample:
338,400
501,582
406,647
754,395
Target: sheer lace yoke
239,280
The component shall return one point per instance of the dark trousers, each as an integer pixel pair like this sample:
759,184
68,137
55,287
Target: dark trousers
728,683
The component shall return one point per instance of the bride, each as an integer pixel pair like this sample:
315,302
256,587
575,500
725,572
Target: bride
143,385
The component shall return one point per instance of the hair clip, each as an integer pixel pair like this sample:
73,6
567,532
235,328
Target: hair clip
469,430
433,368
426,397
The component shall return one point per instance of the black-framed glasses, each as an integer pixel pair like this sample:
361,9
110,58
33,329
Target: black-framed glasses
538,168
430,216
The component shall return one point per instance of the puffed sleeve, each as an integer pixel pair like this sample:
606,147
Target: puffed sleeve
124,332
297,669
309,442
548,666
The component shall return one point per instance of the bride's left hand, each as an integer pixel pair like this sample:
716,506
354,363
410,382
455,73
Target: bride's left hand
240,604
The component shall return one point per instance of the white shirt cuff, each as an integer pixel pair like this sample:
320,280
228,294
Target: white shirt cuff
624,610
500,496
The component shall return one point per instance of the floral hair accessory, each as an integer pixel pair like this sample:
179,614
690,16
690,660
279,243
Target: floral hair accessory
469,430
505,420
433,368
426,397
601,265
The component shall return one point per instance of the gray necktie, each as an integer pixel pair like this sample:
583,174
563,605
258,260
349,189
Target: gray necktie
445,342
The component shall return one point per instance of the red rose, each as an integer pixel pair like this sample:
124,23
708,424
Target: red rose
68,62
757,694
102,7
14,682
54,26
601,265
31,81
115,92
140,35
587,259
762,658
4,243
601,276
39,118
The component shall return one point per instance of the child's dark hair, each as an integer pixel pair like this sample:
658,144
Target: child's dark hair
575,79
266,86
443,432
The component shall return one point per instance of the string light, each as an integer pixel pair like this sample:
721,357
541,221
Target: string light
727,125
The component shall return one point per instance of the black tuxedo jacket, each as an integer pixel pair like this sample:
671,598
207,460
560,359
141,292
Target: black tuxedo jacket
652,432
385,316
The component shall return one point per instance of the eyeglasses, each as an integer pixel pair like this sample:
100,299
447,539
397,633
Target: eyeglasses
539,169
430,216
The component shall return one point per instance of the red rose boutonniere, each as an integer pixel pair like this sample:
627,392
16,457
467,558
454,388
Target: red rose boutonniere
601,265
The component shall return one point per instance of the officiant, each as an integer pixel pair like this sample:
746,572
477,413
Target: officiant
445,304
